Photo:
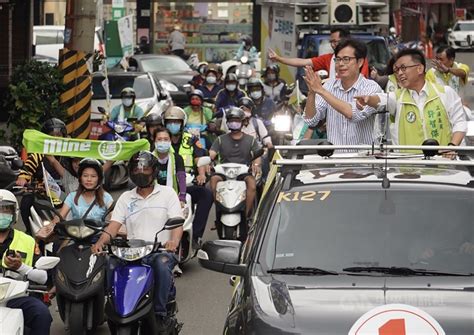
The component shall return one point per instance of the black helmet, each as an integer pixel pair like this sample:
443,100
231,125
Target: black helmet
153,119
274,67
94,164
230,78
247,102
197,93
55,126
234,113
246,39
254,82
128,92
139,161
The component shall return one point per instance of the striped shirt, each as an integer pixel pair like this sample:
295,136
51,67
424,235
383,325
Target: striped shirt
341,130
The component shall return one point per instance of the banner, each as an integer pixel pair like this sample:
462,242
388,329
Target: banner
36,142
53,190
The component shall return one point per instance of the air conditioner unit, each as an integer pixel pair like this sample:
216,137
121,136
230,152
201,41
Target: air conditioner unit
343,12
312,14
372,13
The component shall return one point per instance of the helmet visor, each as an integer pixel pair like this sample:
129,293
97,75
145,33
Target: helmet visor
7,207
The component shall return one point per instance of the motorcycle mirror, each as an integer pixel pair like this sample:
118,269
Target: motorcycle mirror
203,161
46,263
102,110
173,223
17,164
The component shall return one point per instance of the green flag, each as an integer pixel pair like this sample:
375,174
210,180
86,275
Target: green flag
36,142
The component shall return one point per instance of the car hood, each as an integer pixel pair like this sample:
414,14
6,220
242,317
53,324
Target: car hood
158,106
177,78
461,34
333,304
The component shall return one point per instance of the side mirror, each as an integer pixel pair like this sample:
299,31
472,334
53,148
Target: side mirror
17,164
173,223
46,263
101,110
187,88
450,30
203,161
222,256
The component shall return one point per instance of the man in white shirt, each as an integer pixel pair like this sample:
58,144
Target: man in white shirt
334,101
177,41
144,211
419,110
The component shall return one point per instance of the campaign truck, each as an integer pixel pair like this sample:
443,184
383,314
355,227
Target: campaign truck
301,29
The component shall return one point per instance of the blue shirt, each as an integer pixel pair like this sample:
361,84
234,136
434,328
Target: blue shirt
225,100
77,211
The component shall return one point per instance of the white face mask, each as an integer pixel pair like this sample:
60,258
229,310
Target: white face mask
256,94
231,87
127,102
211,79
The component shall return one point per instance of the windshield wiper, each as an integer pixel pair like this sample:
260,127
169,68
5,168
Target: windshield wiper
303,271
402,271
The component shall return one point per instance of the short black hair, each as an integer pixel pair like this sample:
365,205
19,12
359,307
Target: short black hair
359,47
343,32
416,56
450,52
161,129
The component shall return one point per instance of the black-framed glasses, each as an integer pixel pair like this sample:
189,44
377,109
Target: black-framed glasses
344,60
403,68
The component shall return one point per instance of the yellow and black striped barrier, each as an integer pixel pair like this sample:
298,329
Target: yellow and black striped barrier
77,95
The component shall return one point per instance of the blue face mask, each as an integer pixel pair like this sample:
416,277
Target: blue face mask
174,128
5,220
162,146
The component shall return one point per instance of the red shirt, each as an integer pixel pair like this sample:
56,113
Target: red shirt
323,62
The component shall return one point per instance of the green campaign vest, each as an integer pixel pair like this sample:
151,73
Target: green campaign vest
415,126
25,245
186,151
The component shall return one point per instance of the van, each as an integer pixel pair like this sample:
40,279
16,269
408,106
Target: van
48,40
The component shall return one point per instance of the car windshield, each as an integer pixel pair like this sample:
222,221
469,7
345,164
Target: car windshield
164,65
141,84
336,228
464,27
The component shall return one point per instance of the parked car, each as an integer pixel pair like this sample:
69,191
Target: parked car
461,36
148,90
355,244
48,40
172,72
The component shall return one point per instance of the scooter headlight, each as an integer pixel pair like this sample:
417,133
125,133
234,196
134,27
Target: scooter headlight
80,232
231,173
132,253
119,128
3,290
282,123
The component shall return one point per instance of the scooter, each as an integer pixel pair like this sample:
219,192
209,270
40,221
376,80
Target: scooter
129,306
244,71
11,319
80,275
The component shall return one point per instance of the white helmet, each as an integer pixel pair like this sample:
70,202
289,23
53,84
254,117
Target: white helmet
8,204
392,30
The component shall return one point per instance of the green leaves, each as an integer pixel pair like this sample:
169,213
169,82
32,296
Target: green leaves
32,97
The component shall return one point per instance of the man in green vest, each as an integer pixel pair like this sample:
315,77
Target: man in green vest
190,149
128,109
19,253
419,109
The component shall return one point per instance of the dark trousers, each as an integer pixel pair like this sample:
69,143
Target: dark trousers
162,264
35,314
26,202
179,53
202,197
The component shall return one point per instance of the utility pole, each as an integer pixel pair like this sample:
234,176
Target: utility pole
78,47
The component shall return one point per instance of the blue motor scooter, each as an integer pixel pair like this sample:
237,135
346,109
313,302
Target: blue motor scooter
129,308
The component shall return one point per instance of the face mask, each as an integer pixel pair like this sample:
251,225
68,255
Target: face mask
174,128
231,87
271,76
162,146
256,94
5,221
127,102
234,126
141,180
211,79
195,102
